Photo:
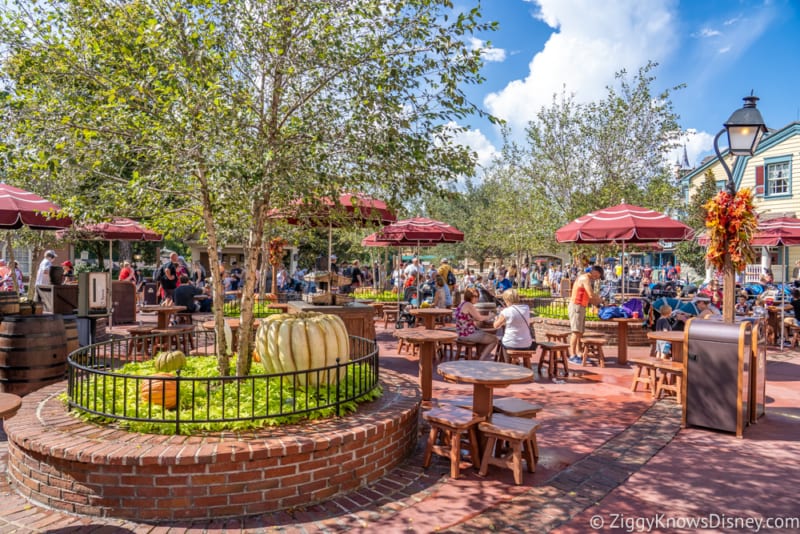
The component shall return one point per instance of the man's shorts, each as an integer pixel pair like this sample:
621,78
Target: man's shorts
577,317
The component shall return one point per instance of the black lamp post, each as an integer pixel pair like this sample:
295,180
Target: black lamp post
745,128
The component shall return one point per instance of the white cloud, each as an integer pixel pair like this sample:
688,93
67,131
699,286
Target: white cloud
489,53
593,41
707,32
724,50
478,142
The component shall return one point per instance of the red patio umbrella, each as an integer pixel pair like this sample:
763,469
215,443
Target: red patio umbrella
120,229
20,208
624,223
420,230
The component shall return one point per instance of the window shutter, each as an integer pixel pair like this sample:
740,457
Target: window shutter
759,189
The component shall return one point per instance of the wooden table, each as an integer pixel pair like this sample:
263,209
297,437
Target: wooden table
163,313
484,377
675,338
9,404
622,337
429,315
426,339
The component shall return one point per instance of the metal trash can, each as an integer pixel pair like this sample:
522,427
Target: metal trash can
718,360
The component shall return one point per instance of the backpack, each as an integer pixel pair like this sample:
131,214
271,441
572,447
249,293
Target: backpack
451,278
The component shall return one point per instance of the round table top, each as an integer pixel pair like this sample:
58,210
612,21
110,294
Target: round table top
423,335
627,319
158,308
431,311
666,335
9,404
482,372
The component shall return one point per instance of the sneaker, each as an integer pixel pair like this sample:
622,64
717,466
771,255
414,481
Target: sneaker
576,359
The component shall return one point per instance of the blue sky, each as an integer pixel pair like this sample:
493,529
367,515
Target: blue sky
720,49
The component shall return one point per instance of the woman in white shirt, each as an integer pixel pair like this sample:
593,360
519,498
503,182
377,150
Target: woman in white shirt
516,319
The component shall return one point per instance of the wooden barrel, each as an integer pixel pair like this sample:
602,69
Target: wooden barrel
33,352
9,303
71,333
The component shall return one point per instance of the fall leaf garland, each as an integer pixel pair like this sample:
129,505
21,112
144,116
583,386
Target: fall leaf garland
276,250
731,222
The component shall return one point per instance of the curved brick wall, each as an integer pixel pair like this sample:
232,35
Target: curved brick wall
77,467
637,336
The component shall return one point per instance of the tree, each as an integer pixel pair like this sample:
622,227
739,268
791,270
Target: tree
583,157
690,252
204,115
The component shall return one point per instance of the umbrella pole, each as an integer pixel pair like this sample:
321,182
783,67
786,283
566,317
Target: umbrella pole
783,295
110,283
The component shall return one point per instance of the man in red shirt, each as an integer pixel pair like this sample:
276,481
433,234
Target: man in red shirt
582,295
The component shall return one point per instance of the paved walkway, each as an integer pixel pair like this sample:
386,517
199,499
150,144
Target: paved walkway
609,458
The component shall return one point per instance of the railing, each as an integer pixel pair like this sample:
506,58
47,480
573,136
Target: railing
95,385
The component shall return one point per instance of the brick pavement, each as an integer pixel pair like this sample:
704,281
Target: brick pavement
591,461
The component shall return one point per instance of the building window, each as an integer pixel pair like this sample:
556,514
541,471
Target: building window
777,178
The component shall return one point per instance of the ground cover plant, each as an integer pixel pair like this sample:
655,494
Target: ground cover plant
531,292
233,399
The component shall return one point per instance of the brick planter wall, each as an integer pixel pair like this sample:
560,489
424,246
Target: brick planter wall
69,465
637,336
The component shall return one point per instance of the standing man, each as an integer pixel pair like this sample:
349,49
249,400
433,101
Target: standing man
582,295
43,274
447,274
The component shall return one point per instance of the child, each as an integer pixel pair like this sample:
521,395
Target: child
742,307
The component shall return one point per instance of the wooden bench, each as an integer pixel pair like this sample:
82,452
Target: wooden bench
390,314
558,337
519,435
470,349
140,342
593,349
450,423
794,333
515,407
670,378
174,338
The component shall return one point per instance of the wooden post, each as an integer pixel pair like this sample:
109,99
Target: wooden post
728,290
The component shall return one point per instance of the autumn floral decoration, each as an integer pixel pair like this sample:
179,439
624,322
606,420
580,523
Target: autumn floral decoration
731,222
277,249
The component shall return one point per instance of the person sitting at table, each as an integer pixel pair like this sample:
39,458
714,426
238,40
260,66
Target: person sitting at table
742,307
184,295
704,307
69,272
515,317
466,316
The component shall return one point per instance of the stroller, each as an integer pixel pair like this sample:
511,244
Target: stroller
410,301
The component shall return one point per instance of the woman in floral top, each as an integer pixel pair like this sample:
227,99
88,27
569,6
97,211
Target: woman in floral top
467,316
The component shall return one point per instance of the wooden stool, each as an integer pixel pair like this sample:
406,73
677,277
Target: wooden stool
557,337
520,435
519,356
593,348
444,350
670,378
140,341
552,354
515,407
390,314
644,372
794,331
470,349
450,423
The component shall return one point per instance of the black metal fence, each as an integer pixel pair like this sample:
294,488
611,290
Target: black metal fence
96,386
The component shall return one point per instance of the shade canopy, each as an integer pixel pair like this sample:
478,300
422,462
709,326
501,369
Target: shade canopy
118,229
328,212
20,208
781,231
623,223
418,231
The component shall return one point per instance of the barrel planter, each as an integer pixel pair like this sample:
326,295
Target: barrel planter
33,352
71,333
9,303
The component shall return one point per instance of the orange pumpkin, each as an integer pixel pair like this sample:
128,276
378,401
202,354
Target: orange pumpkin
256,356
163,392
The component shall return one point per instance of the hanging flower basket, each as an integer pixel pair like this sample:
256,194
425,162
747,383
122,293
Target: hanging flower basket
731,222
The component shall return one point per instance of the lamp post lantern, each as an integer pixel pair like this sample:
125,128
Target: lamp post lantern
745,128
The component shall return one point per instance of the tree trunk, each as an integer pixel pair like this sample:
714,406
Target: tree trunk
254,242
